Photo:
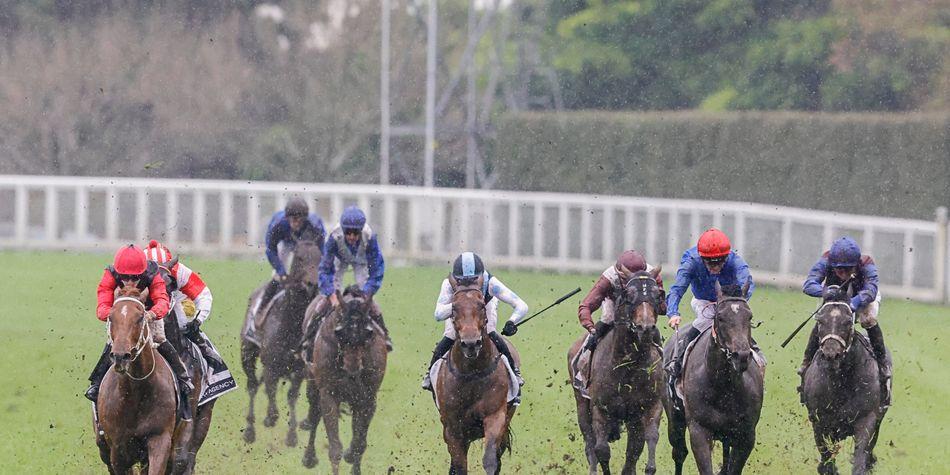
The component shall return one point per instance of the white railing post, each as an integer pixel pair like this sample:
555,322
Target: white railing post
112,215
198,220
629,226
171,216
562,233
438,228
740,232
586,209
389,223
254,219
907,278
413,228
51,214
20,216
785,253
672,234
82,212
513,229
538,231
226,219
940,256
141,216
650,231
488,232
608,234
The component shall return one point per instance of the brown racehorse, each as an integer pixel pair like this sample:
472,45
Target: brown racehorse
349,361
279,338
472,386
626,380
137,402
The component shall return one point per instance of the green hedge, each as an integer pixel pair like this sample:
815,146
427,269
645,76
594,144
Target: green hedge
879,164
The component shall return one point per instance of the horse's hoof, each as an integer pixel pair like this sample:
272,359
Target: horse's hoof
348,456
310,457
356,470
270,420
249,435
292,438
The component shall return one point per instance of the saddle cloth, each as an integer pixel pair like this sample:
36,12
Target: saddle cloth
513,387
757,356
216,378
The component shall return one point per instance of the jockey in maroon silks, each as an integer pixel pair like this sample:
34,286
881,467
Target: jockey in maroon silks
131,266
604,294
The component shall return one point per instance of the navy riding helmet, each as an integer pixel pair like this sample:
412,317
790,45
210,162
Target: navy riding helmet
844,253
352,218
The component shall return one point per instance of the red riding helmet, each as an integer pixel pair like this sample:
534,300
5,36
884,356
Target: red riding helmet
713,243
157,252
130,260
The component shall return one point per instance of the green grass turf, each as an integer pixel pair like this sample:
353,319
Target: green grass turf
49,338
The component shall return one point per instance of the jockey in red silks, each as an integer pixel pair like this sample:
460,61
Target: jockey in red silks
130,266
603,296
182,283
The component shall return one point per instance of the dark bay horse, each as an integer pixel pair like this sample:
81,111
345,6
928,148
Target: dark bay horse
626,380
349,361
473,384
722,389
842,387
279,336
137,402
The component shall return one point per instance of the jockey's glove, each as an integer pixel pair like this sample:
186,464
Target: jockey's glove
510,328
150,315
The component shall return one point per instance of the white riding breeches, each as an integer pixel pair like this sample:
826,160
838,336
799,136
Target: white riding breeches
607,311
705,312
491,311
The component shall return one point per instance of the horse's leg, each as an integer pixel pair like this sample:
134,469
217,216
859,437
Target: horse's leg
701,442
120,461
739,451
202,426
601,424
826,449
872,459
651,432
635,440
494,426
864,430
293,393
313,415
587,431
676,433
249,355
331,421
271,378
362,416
458,452
158,451
725,457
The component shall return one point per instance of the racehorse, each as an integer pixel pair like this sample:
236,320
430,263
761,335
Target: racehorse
349,361
626,380
279,336
137,402
722,391
473,385
842,387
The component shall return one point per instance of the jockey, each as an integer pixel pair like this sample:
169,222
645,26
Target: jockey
466,269
605,292
711,260
130,265
845,263
283,231
182,283
350,244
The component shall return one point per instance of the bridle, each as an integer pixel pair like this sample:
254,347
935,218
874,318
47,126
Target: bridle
715,331
145,338
833,336
640,284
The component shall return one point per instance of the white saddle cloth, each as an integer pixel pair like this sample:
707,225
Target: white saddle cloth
513,386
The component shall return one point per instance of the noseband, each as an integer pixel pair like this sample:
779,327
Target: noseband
832,336
145,337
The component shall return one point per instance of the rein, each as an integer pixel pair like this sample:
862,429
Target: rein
145,337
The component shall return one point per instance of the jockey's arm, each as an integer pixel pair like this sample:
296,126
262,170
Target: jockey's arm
743,274
503,293
196,290
271,239
321,230
684,276
443,306
592,302
105,296
376,267
158,294
326,271
813,283
871,281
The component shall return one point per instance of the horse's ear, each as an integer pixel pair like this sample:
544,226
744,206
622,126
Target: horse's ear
656,272
718,291
453,282
745,289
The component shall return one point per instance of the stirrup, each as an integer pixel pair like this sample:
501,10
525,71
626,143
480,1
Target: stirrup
92,393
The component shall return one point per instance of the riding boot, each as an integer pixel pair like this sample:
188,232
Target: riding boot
441,348
99,372
214,361
306,341
269,292
810,349
600,329
503,349
184,379
676,364
378,318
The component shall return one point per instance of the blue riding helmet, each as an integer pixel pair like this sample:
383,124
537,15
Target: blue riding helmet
467,266
844,253
352,218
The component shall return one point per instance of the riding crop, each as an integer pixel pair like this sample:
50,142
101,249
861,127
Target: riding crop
571,293
843,284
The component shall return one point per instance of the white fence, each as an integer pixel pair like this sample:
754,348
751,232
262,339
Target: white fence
551,231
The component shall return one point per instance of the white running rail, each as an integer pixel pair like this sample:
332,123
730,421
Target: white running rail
545,231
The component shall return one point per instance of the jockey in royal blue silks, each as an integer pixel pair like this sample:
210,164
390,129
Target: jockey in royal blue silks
711,261
351,244
845,263
284,230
